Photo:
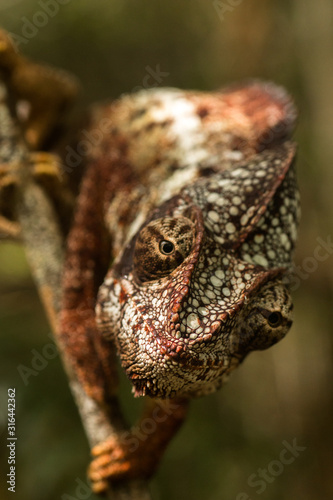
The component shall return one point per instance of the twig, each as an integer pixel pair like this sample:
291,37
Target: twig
43,242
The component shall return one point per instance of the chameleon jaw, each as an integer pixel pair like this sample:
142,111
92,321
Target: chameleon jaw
161,365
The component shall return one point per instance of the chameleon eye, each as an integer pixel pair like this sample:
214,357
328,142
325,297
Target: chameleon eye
166,247
265,319
275,319
161,246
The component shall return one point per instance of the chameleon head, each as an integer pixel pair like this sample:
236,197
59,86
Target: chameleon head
194,291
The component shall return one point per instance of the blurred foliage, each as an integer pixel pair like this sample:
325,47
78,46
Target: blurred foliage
281,394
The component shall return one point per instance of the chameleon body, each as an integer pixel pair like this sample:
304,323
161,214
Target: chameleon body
179,249
192,197
199,199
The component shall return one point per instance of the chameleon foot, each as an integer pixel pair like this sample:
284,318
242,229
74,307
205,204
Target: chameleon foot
39,165
116,460
45,164
44,168
137,454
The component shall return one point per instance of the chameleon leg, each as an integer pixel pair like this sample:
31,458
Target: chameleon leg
86,263
46,170
137,453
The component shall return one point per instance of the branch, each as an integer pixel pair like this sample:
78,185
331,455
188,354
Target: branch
41,234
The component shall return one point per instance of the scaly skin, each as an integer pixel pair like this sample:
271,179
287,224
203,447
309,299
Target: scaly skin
193,197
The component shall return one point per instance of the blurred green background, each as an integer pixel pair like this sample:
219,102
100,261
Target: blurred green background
279,395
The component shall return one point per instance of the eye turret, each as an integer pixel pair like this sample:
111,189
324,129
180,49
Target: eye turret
167,247
161,246
273,318
265,320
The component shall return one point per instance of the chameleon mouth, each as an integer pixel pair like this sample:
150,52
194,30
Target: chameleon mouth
185,374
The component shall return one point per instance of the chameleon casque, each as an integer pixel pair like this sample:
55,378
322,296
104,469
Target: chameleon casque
193,197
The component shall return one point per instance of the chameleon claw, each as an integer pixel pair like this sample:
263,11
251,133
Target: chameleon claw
99,487
8,176
113,461
45,164
105,447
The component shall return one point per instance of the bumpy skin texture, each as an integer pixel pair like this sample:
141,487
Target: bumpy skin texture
203,229
200,207
192,197
181,332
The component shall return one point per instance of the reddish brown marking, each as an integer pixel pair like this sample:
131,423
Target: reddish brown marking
202,111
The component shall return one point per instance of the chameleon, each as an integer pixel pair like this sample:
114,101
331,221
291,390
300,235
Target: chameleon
181,246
